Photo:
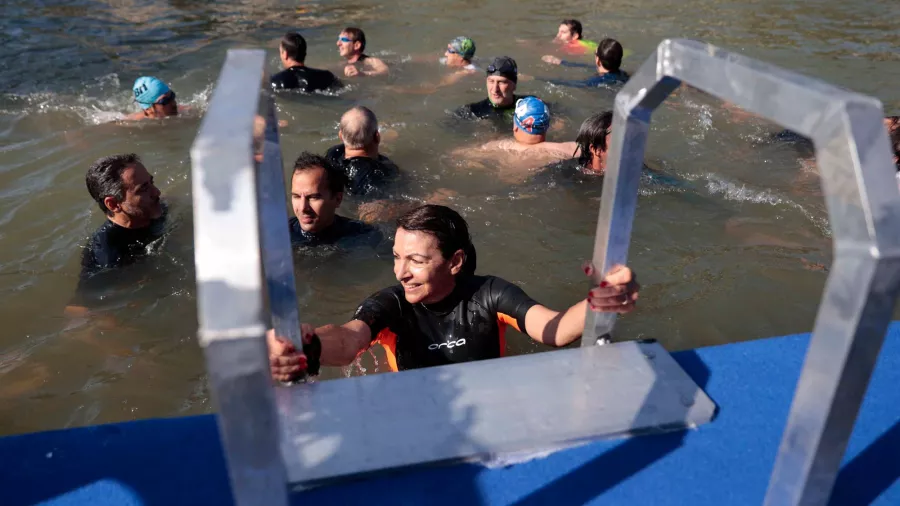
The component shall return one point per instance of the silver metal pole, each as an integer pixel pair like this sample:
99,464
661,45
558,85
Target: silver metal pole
278,260
230,284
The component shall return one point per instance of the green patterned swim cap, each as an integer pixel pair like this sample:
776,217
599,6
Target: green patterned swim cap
463,46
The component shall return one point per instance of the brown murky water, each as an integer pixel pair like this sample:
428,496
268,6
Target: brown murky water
732,252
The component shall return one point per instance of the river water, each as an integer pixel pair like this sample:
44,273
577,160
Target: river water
738,251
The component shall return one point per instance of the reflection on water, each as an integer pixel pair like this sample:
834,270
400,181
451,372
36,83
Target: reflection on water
735,251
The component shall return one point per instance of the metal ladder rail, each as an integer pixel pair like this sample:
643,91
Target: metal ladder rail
852,151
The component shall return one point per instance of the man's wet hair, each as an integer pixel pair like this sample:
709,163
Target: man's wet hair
359,133
294,46
355,35
610,53
447,226
334,176
594,132
104,178
574,26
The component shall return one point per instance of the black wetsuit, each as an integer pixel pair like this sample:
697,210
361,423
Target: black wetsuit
110,247
469,324
114,246
305,79
570,172
485,109
595,81
365,176
342,230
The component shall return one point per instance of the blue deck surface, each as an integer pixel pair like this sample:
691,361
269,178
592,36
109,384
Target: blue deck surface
726,462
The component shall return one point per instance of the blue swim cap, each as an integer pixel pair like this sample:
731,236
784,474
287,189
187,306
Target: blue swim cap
532,115
147,90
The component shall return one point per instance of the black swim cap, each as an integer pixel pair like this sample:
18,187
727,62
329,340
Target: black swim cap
504,66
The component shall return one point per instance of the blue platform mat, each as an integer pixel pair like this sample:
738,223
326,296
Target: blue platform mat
726,462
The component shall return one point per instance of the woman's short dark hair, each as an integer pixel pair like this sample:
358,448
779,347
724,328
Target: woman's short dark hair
594,132
104,178
610,53
356,35
334,176
294,46
447,226
574,26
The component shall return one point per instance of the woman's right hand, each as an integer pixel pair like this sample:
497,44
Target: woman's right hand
285,362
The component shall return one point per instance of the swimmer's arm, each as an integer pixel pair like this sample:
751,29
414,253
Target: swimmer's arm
76,311
553,328
375,67
341,344
454,78
567,63
566,82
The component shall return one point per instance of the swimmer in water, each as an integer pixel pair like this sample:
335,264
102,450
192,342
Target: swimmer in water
458,57
351,43
135,217
367,171
527,149
459,54
570,37
296,75
502,76
607,62
441,312
155,98
317,190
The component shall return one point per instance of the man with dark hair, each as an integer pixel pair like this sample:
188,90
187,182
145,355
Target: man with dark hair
124,191
570,37
351,45
502,76
441,312
296,75
135,218
317,189
892,123
895,147
593,142
367,170
607,60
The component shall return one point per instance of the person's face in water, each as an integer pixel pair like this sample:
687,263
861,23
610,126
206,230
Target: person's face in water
347,47
501,90
142,198
565,35
420,267
454,59
164,106
314,204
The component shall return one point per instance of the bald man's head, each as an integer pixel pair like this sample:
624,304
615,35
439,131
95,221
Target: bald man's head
359,128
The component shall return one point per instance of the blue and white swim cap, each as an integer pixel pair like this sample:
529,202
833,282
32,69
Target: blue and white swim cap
532,115
147,90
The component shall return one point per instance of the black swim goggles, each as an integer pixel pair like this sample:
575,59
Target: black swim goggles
166,99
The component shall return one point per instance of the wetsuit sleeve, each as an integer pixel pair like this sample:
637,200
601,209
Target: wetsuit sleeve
380,311
567,63
511,301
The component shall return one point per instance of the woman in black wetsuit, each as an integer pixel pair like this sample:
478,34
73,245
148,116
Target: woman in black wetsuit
442,312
